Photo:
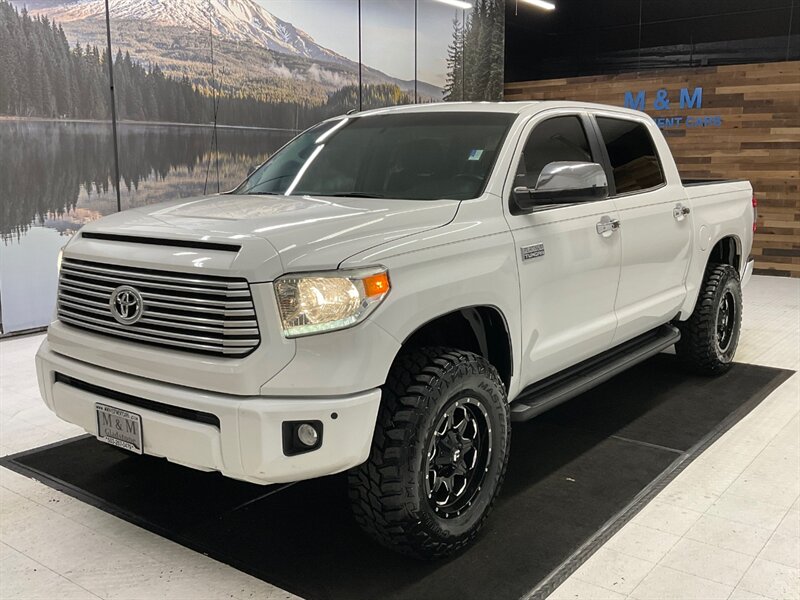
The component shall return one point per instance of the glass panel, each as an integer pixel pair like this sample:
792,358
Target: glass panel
56,159
427,157
484,44
219,67
387,42
315,61
557,139
633,156
440,49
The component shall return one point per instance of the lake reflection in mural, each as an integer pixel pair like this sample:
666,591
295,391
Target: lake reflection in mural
56,176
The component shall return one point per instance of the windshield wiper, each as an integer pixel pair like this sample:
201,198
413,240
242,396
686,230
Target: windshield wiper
353,195
263,194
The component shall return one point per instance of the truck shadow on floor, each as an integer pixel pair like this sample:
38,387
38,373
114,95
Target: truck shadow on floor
570,471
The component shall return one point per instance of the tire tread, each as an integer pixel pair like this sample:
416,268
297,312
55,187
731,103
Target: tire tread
696,348
381,505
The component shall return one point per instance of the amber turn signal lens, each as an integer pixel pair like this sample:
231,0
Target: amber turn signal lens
376,285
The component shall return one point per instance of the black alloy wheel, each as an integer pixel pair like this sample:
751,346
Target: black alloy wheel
458,453
726,321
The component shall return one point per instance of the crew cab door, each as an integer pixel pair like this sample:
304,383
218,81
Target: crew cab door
655,223
568,269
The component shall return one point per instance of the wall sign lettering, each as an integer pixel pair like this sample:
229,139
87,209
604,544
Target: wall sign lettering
687,99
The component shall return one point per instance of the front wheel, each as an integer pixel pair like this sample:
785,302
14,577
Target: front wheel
711,334
438,456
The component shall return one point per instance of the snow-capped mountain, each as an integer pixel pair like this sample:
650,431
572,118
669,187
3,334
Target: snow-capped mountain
256,48
235,20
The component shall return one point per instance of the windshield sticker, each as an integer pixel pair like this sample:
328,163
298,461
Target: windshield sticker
475,154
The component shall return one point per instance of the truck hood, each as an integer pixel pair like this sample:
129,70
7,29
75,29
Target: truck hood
304,232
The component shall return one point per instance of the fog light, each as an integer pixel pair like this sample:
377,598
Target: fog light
307,435
300,437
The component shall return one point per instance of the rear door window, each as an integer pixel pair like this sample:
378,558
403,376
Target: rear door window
634,161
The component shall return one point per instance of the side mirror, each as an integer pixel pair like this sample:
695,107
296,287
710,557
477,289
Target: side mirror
564,182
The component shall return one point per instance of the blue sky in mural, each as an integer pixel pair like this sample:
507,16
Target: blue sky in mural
386,24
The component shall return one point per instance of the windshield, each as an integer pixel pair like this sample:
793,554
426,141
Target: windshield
415,156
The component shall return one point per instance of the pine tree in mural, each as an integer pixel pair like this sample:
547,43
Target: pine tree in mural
42,76
454,84
475,56
495,48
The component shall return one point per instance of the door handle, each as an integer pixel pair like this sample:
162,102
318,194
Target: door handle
680,211
607,226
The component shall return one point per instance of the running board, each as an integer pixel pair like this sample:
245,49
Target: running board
558,388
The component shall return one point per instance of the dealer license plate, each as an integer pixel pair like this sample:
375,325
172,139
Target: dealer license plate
119,428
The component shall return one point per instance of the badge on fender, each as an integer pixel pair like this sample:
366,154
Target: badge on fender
532,251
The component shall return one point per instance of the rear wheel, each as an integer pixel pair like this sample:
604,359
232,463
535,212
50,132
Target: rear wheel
438,456
710,336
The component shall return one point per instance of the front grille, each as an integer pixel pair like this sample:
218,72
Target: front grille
213,315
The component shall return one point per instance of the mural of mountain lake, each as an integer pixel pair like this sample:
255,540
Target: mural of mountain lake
59,175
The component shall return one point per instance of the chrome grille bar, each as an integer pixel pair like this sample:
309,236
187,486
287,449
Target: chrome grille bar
115,281
190,312
149,275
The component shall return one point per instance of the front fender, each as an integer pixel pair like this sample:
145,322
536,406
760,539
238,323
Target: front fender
470,262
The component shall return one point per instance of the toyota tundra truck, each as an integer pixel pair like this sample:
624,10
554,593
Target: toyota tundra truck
387,293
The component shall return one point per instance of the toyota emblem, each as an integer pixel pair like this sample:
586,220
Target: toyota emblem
126,304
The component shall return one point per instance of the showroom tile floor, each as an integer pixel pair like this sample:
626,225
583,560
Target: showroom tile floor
727,527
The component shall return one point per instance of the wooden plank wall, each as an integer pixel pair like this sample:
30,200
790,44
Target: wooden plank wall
759,138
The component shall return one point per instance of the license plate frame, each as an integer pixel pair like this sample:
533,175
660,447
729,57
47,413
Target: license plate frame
119,427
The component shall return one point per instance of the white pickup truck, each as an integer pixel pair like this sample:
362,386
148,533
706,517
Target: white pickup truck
387,293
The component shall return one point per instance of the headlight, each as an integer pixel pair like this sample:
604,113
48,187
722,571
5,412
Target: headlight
58,261
316,302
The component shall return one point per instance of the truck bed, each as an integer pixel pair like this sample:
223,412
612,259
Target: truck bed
737,190
696,182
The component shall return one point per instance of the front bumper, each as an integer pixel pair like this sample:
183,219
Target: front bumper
247,445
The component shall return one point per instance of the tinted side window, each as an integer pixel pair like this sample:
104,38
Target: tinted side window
556,139
632,154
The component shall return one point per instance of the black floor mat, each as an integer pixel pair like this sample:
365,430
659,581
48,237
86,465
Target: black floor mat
571,470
